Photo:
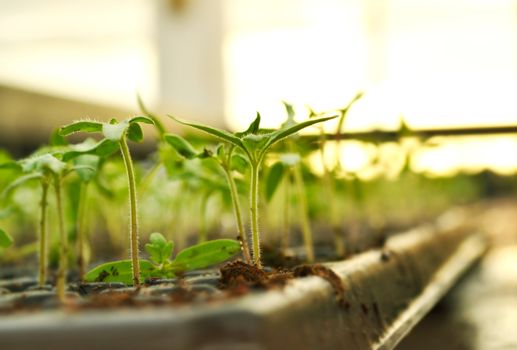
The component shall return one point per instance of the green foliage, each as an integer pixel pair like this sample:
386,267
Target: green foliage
112,131
206,254
255,142
5,239
273,179
159,248
119,271
161,266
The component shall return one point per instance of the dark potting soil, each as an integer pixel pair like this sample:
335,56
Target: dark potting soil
19,293
234,279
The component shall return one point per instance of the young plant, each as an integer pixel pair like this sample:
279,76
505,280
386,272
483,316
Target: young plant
115,135
86,176
160,265
329,174
228,162
280,173
50,171
86,157
255,144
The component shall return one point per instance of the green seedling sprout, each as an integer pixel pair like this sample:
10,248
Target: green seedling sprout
50,170
160,265
116,134
329,174
292,162
86,157
228,161
280,172
86,176
255,144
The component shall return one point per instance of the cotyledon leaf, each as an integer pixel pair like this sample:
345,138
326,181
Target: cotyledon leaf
119,271
219,133
206,254
81,126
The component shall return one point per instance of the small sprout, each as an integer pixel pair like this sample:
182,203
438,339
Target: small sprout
199,256
255,143
159,248
228,161
49,169
117,133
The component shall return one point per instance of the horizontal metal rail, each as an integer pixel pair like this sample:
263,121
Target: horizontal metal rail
393,135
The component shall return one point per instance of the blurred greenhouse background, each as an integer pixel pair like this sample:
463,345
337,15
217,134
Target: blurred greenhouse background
434,63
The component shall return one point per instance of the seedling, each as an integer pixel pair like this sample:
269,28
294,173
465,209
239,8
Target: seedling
85,176
329,174
228,161
160,265
116,134
50,171
280,172
254,143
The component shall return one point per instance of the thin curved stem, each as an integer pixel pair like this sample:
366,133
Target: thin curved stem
63,252
81,229
287,214
133,219
42,275
302,200
238,215
254,202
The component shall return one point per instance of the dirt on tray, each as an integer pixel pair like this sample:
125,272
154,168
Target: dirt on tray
238,277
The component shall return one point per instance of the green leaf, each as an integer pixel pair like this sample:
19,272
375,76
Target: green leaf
10,166
181,145
156,120
274,177
56,139
255,142
135,133
290,114
219,133
253,128
141,119
44,162
119,271
206,254
89,166
159,249
288,131
5,239
18,182
103,149
81,126
239,163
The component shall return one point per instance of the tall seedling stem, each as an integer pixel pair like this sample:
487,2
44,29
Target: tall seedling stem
304,212
287,214
81,212
63,253
42,275
254,143
226,165
254,217
133,219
